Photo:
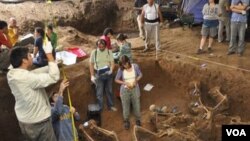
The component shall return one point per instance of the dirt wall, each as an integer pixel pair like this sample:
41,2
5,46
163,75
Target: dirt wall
89,16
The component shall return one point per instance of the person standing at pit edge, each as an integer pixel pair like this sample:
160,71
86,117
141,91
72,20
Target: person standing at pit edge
32,106
138,6
151,17
128,76
13,31
52,36
238,26
224,20
211,12
101,66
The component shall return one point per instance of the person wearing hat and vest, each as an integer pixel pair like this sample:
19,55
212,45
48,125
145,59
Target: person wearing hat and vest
101,66
151,17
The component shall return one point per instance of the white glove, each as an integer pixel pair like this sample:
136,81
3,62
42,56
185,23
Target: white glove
243,12
93,79
47,47
109,72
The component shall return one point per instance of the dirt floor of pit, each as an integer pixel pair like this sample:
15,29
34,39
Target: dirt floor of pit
177,67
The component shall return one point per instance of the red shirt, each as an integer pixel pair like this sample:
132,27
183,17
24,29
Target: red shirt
4,40
108,41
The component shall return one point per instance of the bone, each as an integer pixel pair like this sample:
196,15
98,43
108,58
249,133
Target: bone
154,108
93,127
220,99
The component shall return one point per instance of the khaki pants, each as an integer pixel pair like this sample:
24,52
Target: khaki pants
152,30
42,131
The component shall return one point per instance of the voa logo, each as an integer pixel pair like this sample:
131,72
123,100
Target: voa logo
236,132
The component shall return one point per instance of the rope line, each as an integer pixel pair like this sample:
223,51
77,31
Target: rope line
209,61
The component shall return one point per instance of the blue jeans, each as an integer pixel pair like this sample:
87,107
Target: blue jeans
104,83
237,28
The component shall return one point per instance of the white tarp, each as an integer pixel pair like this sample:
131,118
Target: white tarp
67,57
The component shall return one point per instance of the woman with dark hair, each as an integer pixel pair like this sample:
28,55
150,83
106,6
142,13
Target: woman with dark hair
128,76
125,46
41,59
107,34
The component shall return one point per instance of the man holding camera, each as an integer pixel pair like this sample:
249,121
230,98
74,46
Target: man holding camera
32,106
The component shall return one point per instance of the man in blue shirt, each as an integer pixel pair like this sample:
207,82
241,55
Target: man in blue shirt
238,26
61,115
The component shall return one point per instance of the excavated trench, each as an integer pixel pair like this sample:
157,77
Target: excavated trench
171,79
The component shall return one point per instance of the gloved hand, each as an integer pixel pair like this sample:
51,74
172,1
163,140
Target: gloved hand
243,12
47,47
93,79
109,72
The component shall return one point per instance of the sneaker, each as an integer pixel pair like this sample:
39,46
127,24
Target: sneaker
138,122
126,124
230,53
209,49
113,109
199,51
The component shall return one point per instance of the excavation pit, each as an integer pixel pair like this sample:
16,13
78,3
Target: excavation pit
171,79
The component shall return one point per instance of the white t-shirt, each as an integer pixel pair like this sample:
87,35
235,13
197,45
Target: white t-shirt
151,12
129,76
